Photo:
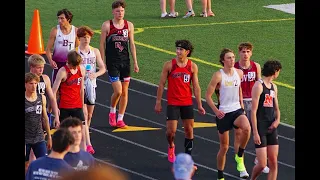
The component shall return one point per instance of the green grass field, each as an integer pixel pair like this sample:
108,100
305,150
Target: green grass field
271,31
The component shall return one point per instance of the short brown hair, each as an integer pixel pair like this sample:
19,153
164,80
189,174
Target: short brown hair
74,58
28,77
246,45
224,51
118,3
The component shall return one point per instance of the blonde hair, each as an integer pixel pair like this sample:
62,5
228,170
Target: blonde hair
35,60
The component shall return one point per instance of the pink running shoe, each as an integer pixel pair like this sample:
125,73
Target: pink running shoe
121,124
171,154
112,119
90,149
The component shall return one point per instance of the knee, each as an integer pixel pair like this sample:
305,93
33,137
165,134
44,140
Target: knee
224,148
117,92
272,161
170,133
89,116
124,93
246,129
188,130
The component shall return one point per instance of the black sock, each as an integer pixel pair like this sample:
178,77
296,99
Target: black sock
220,174
240,152
188,145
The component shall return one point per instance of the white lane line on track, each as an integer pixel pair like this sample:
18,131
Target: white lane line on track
197,136
125,169
157,151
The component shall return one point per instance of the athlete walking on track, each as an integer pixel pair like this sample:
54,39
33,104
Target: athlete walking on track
265,118
115,40
180,72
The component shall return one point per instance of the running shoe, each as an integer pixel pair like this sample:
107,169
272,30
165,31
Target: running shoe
189,14
265,169
171,154
121,124
112,119
241,167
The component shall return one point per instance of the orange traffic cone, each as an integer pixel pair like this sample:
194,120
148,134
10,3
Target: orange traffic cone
35,44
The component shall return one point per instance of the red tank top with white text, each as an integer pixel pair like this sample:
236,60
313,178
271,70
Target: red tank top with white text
179,80
248,79
70,90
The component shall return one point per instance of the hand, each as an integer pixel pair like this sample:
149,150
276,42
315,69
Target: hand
219,114
273,126
92,76
136,68
158,108
49,141
201,110
256,139
56,122
53,64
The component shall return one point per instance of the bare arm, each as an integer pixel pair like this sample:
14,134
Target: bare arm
163,78
102,67
83,72
255,93
276,107
258,70
216,78
240,72
46,121
132,45
50,44
61,75
49,92
105,28
195,84
77,40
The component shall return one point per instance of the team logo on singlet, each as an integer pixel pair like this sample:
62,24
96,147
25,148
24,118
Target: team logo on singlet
268,99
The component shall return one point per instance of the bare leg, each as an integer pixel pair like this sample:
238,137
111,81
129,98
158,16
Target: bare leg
261,154
273,151
224,146
163,6
172,6
117,90
171,131
124,98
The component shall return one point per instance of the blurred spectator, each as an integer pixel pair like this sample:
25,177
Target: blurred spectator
102,172
183,167
163,7
53,166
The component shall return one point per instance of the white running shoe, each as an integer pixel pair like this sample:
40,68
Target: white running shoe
265,169
244,174
189,14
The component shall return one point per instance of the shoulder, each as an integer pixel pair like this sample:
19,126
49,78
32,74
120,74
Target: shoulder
106,23
217,74
275,87
130,24
239,71
46,78
257,64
